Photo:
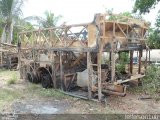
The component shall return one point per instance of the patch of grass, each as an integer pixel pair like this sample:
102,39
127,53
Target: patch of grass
13,79
136,89
10,77
8,73
7,96
37,89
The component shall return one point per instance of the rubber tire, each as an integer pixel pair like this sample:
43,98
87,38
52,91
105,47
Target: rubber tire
46,81
30,77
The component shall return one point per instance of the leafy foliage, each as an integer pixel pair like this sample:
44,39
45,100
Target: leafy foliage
50,20
10,11
123,60
154,37
120,17
151,82
144,6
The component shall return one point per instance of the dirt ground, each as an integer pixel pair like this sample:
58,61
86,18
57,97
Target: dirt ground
26,98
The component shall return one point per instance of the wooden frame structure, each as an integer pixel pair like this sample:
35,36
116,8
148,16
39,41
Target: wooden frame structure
71,47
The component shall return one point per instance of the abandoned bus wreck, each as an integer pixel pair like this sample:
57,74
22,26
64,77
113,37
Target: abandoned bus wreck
73,57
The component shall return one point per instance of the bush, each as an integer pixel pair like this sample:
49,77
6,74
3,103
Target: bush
151,82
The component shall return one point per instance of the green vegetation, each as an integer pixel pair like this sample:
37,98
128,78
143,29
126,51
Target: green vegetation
154,41
151,82
12,21
8,96
123,60
120,17
50,20
144,6
10,12
13,79
10,77
37,89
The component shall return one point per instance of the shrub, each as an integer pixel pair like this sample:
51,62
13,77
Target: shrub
151,82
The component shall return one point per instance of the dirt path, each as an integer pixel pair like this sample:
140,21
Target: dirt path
34,99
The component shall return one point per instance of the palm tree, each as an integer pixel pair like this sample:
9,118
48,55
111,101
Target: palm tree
10,11
50,20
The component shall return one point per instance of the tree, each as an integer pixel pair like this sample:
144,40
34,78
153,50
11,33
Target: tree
10,11
21,25
50,20
144,6
154,37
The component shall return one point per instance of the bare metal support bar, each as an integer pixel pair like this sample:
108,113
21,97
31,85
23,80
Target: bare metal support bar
61,69
53,70
112,65
113,56
149,56
131,62
99,77
139,66
146,61
1,57
89,75
19,58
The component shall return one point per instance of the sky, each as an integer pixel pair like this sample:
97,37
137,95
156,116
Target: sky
81,11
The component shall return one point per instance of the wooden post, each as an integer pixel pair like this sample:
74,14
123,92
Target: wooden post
89,76
131,62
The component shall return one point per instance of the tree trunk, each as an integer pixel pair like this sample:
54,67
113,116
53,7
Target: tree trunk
10,35
3,37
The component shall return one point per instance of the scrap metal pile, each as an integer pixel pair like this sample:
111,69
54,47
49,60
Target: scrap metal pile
81,59
8,56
